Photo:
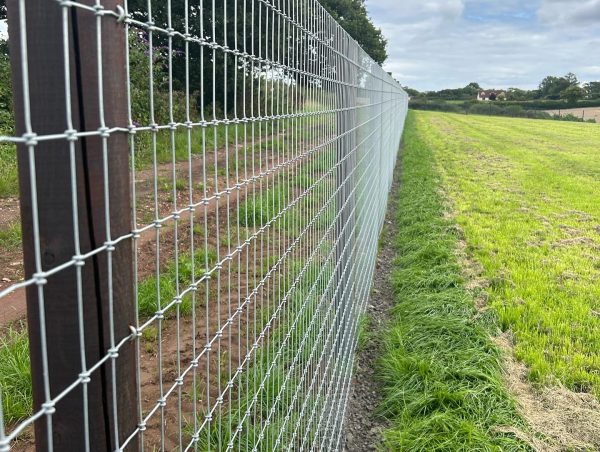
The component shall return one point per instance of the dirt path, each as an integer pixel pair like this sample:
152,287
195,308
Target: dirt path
362,425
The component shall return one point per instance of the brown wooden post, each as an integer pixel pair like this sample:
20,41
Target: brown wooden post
47,101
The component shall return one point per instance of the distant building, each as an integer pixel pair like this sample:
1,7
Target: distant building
491,95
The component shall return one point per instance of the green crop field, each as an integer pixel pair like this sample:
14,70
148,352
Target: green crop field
526,197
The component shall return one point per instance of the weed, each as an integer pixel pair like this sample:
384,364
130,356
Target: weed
260,209
150,334
198,229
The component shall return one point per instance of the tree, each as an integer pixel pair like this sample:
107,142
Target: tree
352,16
214,92
411,92
572,79
471,90
301,54
573,93
516,94
552,87
592,90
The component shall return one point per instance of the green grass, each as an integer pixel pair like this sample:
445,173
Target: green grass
165,144
525,193
363,335
259,209
280,385
10,236
15,375
442,375
9,184
147,294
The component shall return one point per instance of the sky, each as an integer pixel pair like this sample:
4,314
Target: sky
436,44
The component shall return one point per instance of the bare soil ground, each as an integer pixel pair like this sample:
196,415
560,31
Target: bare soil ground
586,113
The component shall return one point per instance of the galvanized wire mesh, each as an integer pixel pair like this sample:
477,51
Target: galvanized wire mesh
262,141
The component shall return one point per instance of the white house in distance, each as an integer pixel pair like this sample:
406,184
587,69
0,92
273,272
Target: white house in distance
491,95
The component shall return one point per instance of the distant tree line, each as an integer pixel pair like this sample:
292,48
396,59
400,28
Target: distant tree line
509,108
566,88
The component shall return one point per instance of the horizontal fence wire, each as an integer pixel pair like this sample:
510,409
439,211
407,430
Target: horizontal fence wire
261,143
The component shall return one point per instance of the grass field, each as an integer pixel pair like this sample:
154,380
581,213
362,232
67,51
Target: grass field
525,195
441,372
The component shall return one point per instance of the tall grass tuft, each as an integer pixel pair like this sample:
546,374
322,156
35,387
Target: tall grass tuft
167,282
15,375
10,236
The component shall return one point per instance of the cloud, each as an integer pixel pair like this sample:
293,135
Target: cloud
570,13
592,70
417,14
440,44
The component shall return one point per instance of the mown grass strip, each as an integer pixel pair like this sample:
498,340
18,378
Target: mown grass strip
442,374
525,195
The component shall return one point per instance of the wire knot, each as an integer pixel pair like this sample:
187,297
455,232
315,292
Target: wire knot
49,407
121,14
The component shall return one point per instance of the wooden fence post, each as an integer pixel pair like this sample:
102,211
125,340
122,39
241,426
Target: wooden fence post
63,426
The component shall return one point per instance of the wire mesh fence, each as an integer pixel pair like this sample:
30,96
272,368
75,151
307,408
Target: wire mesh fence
202,189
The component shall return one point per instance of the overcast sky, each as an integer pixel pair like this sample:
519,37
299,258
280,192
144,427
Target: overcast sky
435,44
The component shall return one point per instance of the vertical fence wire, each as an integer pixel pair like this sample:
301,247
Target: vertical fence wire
262,141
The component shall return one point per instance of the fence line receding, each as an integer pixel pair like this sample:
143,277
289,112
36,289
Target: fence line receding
203,184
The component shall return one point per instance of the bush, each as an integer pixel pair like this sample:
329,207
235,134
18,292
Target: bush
514,110
487,108
140,84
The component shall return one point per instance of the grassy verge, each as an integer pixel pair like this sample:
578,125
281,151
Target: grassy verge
15,375
442,374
